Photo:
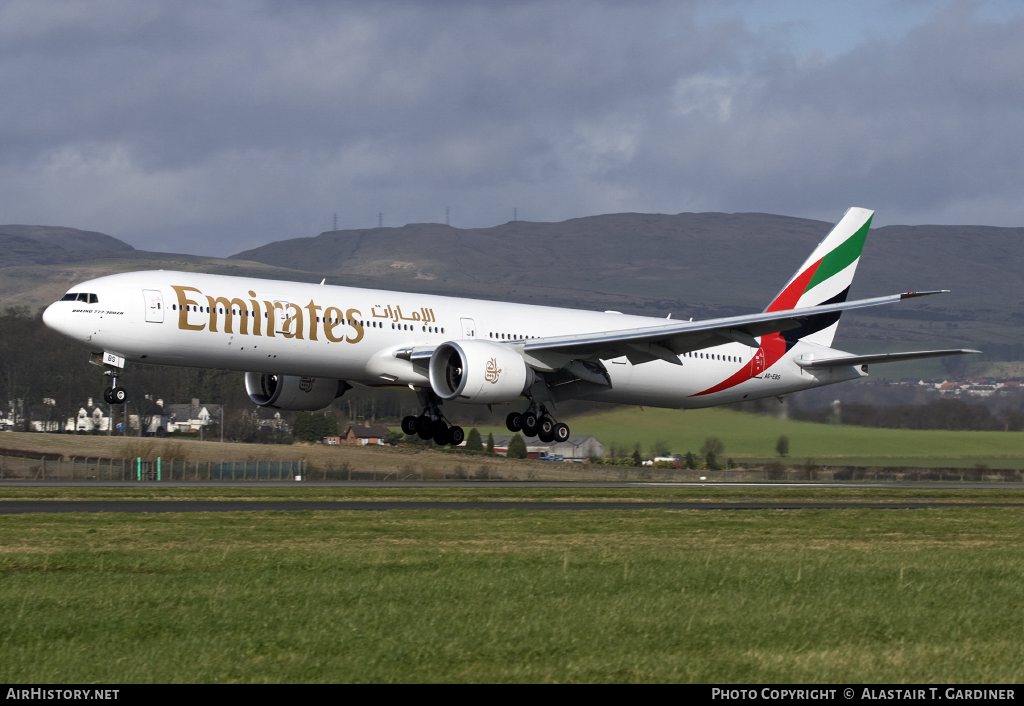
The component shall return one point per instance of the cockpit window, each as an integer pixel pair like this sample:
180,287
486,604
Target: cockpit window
80,297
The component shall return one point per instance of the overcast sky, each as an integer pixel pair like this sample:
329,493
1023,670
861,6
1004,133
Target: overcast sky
210,128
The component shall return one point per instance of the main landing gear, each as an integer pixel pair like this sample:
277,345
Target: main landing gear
432,425
114,394
536,421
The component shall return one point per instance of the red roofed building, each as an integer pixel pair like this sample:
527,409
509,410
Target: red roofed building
364,435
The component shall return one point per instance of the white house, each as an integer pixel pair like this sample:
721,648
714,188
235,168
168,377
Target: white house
188,417
90,418
575,448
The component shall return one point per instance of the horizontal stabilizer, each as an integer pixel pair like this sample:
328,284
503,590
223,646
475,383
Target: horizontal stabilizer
880,358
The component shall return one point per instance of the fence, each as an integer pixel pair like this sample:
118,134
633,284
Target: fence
52,467
135,469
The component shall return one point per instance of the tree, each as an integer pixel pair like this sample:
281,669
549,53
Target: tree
302,429
314,427
712,445
473,442
690,461
516,447
660,448
637,459
243,426
330,427
782,446
490,443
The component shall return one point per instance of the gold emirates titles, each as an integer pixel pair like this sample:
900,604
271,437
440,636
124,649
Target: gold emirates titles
294,326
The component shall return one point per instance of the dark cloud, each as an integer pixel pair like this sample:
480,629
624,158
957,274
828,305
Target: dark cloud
217,127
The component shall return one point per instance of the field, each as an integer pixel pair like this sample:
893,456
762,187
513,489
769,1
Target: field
930,595
749,437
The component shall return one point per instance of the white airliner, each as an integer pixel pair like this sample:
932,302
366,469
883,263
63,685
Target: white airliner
301,345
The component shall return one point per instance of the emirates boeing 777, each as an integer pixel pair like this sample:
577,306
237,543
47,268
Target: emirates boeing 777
303,345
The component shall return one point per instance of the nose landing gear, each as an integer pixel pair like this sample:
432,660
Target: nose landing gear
114,394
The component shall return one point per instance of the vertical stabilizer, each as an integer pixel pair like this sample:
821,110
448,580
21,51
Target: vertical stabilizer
825,278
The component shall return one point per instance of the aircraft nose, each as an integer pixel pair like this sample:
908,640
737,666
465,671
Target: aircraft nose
54,317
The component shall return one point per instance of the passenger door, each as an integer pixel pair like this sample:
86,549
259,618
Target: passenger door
468,328
154,305
282,317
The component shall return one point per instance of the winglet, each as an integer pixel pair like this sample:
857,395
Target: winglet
911,295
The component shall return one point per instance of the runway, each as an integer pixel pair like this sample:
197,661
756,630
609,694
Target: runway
16,507
492,484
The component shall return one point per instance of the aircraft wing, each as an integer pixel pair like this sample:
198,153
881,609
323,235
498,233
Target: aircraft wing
667,341
880,358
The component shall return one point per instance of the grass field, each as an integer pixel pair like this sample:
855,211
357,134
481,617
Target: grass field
757,596
749,436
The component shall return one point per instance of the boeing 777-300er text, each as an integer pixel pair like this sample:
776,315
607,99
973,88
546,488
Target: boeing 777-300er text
302,345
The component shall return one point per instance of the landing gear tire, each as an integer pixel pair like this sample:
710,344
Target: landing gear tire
514,422
546,426
560,432
106,396
409,425
546,437
456,436
116,395
531,424
424,427
440,432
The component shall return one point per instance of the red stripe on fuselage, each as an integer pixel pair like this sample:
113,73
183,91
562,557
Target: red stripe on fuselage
773,346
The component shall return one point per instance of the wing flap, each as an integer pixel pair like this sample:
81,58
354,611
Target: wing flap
880,358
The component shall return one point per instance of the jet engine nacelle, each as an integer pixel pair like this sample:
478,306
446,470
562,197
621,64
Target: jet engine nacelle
478,372
290,392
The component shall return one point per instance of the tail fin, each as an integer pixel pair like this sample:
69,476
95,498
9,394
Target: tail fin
825,278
